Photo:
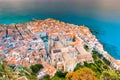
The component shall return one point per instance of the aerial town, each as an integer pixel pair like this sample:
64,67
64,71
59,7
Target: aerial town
54,44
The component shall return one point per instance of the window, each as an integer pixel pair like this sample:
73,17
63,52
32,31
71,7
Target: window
56,51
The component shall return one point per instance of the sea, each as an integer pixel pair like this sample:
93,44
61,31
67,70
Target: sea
101,16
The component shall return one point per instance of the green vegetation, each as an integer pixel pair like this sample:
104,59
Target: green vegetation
106,61
59,76
11,66
86,47
78,66
98,62
47,77
1,67
101,65
109,76
35,68
11,72
94,52
94,55
99,70
106,67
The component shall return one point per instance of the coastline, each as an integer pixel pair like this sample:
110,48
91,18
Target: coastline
114,62
104,38
85,32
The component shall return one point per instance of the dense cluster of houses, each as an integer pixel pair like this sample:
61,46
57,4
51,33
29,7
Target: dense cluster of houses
54,44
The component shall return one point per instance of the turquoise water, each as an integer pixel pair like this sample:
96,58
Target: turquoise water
99,15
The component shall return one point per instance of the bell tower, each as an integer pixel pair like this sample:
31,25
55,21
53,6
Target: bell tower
6,31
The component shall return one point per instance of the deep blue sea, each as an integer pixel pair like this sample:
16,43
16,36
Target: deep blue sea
102,16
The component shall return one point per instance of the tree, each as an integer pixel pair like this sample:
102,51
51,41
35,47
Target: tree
97,53
86,47
106,67
94,56
60,74
106,61
47,77
78,66
98,63
35,68
109,76
82,74
87,64
74,39
40,66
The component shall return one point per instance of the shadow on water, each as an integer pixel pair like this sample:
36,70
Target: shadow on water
112,50
96,30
